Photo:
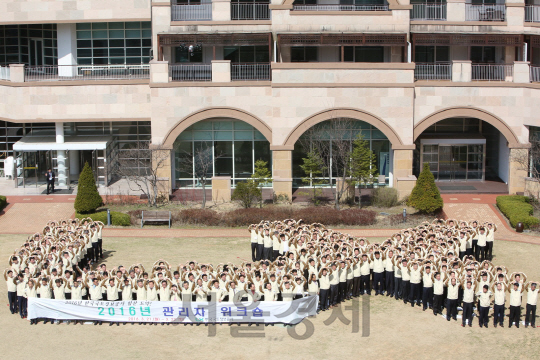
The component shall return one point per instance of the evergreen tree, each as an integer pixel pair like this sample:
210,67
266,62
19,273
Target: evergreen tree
363,167
261,176
88,198
425,196
313,168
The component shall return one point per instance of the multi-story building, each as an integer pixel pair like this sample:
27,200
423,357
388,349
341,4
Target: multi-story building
452,83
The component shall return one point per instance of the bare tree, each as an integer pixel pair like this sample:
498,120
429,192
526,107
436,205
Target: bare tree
333,142
529,160
199,164
143,167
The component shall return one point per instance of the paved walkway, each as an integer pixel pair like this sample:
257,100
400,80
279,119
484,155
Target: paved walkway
28,214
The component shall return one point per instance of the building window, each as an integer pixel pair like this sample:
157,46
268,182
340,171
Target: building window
432,54
247,54
304,54
182,54
236,146
483,54
378,143
114,43
363,53
28,44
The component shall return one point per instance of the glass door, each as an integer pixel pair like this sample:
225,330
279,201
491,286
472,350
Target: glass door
445,162
36,52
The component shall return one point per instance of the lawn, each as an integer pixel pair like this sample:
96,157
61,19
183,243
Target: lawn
391,329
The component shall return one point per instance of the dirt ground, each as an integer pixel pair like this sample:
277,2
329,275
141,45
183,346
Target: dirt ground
390,330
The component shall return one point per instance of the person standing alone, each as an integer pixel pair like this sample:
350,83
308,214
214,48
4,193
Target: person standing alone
49,175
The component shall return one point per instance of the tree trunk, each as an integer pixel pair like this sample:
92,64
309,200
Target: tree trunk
261,199
204,194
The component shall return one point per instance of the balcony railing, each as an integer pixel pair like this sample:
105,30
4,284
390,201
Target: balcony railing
532,13
250,11
321,7
86,72
202,12
4,73
535,73
191,72
428,12
485,12
250,72
432,71
492,72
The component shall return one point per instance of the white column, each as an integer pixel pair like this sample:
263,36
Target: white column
74,163
67,49
60,155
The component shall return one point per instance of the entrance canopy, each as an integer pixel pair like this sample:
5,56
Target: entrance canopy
48,142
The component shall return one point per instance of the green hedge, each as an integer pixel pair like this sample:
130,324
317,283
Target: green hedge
517,209
3,202
117,218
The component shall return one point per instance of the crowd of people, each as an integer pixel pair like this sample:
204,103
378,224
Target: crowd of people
434,266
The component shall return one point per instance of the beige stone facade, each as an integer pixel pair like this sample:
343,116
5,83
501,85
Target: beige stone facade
298,95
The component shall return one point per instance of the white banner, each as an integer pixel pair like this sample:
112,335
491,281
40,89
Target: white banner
291,312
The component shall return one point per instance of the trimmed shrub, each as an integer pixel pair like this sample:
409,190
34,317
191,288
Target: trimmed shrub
3,202
117,218
385,197
197,217
324,215
247,193
517,209
425,196
88,198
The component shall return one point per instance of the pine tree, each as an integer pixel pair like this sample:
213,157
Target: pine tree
88,198
313,168
425,196
261,176
362,167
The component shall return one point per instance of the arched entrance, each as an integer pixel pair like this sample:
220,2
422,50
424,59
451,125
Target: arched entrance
465,145
216,112
345,113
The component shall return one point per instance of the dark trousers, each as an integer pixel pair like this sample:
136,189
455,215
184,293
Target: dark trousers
489,250
467,313
451,309
498,314
342,291
267,254
334,294
12,297
415,293
275,254
427,297
481,253
475,249
405,287
397,287
364,280
23,311
95,251
483,318
253,251
50,186
349,292
356,286
100,248
378,282
469,252
515,315
323,299
389,283
260,248
530,315
68,296
462,254
437,303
